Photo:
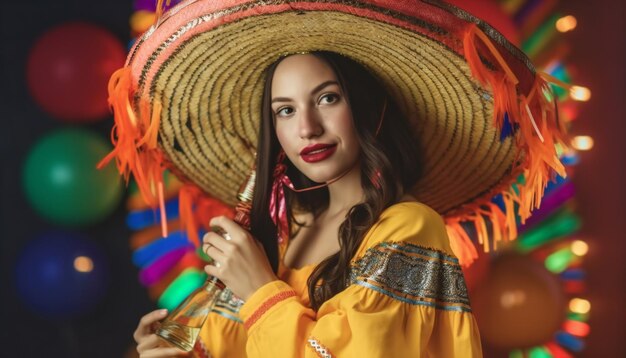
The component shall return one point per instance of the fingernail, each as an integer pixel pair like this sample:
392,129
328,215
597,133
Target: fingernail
163,311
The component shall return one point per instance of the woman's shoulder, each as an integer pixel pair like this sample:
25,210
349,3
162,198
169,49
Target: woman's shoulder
409,223
407,251
408,210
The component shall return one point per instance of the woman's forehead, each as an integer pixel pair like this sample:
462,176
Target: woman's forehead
300,72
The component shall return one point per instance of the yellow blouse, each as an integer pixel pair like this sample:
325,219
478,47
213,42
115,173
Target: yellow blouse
407,298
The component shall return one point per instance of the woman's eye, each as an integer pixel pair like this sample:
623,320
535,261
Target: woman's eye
285,111
329,98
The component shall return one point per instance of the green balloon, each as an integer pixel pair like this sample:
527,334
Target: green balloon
61,180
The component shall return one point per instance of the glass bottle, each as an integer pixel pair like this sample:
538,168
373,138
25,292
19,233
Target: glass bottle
182,326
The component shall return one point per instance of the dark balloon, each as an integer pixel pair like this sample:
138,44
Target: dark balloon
61,275
61,180
69,68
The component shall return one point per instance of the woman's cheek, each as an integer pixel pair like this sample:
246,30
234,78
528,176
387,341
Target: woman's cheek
286,138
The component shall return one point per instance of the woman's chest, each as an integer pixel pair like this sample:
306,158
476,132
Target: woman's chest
312,245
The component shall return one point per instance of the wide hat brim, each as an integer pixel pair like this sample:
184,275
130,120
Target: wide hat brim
199,74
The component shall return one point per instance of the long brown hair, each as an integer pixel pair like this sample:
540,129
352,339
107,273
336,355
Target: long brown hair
390,165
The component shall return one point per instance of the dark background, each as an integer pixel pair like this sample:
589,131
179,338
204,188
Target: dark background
107,331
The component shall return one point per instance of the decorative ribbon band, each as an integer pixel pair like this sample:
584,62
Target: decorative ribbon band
269,303
228,306
414,275
321,351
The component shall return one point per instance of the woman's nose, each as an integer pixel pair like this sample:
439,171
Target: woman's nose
310,124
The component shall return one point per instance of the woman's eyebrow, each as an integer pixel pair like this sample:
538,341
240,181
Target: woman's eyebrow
281,99
322,85
316,89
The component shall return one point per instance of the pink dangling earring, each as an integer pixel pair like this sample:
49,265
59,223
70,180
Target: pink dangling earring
375,179
278,207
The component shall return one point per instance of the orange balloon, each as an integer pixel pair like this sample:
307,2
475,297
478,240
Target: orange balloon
520,304
475,273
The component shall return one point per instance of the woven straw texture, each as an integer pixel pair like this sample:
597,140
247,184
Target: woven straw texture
207,72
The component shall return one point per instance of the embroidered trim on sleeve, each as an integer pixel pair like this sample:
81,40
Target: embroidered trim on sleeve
413,274
228,306
265,306
321,351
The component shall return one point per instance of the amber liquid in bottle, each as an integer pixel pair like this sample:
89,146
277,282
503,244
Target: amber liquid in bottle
181,328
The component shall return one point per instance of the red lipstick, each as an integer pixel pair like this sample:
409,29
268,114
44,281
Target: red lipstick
317,152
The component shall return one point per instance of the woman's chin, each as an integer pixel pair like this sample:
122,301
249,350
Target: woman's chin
318,178
322,176
318,175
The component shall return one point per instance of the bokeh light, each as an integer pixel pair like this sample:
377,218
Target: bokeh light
582,142
83,264
510,299
579,248
579,93
580,329
579,305
566,23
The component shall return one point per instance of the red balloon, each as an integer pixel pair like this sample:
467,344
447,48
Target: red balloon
519,304
492,12
69,68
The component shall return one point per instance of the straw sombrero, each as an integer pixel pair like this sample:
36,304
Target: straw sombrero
189,99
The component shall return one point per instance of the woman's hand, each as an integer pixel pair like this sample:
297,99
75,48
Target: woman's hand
239,260
149,345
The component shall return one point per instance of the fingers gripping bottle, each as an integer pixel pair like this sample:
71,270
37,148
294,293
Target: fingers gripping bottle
182,326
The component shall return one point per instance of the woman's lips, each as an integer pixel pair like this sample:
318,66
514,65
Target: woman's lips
318,154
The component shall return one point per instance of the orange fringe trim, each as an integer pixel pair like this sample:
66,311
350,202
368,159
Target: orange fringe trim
134,137
196,206
188,196
146,236
539,133
160,9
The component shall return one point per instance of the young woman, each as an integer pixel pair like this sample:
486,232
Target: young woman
358,156
335,124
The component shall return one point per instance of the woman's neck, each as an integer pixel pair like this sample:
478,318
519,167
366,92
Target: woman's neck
345,193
